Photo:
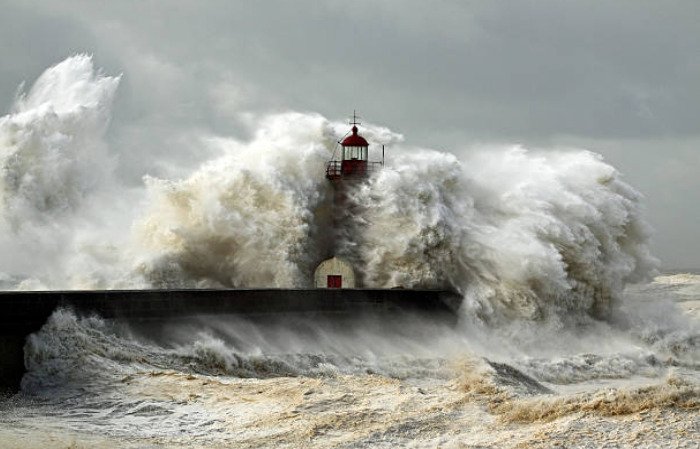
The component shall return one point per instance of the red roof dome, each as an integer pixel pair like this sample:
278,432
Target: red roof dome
354,140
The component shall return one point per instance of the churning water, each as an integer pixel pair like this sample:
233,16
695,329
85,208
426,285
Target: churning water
562,340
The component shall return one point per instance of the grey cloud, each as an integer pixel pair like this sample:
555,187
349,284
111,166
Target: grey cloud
621,77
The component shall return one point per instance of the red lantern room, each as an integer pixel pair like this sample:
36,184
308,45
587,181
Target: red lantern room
354,157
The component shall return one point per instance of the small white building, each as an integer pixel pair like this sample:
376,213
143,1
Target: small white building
334,273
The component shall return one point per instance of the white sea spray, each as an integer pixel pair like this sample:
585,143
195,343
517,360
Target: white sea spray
519,233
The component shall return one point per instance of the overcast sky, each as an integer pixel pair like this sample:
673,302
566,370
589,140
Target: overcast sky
621,78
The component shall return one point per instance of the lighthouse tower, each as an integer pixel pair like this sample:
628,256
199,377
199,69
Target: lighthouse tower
345,173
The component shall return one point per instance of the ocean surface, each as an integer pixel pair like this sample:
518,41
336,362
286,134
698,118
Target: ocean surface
215,382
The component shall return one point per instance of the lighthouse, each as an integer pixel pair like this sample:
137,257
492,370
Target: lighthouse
345,174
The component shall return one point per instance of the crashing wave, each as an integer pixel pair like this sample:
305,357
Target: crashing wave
520,233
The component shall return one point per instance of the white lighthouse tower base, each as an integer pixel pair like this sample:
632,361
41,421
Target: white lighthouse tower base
334,273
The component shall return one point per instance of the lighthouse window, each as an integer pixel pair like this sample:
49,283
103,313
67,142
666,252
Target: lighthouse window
355,153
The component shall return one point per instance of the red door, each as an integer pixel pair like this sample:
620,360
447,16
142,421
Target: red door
335,281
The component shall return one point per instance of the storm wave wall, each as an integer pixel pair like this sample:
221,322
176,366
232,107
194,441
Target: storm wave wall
520,233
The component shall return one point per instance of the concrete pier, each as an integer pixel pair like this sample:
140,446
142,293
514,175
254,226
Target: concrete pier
26,312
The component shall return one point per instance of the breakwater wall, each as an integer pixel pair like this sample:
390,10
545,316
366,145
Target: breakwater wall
22,313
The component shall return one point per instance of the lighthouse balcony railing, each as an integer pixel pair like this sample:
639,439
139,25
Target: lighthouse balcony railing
334,170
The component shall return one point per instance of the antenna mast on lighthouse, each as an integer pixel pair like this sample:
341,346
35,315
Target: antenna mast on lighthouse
354,118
